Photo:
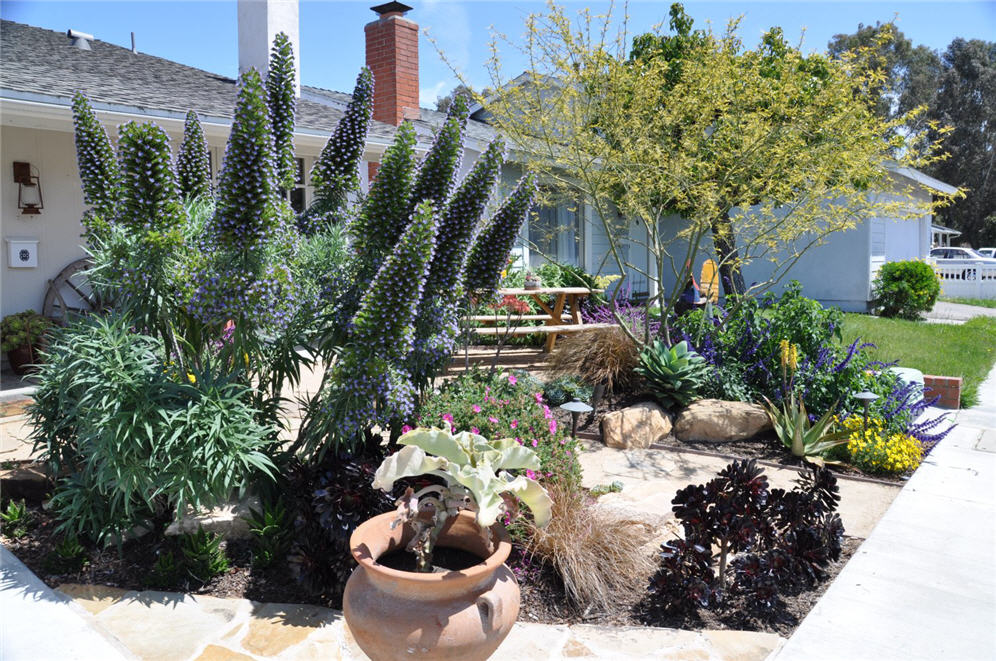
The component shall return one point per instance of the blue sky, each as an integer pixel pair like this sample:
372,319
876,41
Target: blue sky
204,34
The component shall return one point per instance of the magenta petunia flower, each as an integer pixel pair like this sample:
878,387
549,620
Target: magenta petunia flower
553,426
406,429
475,430
539,397
493,420
535,442
515,423
512,379
477,409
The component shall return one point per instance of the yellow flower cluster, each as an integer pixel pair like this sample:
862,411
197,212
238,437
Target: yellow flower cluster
874,450
790,355
603,281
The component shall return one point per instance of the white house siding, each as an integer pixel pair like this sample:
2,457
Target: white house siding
633,250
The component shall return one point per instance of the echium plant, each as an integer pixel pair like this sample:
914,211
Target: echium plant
193,167
280,99
475,471
98,166
492,245
335,174
437,171
150,197
384,214
367,386
247,213
436,327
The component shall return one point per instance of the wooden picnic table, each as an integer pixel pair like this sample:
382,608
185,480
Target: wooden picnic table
562,315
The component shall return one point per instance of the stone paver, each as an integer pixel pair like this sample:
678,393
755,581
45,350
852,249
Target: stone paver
164,625
651,478
922,586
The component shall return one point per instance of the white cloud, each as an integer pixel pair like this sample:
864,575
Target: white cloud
427,95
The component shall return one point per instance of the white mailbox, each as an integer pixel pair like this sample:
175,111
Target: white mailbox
22,253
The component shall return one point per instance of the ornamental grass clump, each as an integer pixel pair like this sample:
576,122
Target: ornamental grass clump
605,356
598,553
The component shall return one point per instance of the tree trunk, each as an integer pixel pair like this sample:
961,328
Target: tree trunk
727,255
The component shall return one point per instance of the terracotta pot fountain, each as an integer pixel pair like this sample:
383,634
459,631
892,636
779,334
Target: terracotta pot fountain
461,615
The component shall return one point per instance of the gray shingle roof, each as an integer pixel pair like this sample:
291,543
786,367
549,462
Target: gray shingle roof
41,61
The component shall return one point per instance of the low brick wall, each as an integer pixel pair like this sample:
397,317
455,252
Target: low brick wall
948,387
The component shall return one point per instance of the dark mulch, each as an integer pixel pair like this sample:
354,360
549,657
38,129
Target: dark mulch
542,591
543,601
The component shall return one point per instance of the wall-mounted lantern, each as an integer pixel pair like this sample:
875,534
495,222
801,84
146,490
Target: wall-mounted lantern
29,194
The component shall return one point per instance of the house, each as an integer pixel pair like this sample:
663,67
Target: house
42,70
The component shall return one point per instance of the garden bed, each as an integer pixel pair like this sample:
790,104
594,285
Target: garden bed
543,599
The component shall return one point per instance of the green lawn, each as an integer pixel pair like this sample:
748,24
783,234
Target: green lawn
967,350
981,302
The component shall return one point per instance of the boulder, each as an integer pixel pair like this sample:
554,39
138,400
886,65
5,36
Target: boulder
635,427
719,421
230,520
25,481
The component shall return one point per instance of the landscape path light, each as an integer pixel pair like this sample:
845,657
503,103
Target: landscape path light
576,408
866,398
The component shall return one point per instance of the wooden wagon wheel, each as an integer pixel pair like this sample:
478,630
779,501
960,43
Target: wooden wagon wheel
70,293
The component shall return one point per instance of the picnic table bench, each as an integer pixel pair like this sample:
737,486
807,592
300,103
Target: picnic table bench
563,316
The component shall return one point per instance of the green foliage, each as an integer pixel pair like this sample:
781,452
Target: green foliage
133,437
204,555
565,389
675,376
68,557
906,289
806,440
270,531
475,471
281,101
98,166
193,167
23,329
166,571
506,405
16,519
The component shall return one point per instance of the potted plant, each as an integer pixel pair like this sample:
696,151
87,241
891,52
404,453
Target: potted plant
22,336
435,613
532,281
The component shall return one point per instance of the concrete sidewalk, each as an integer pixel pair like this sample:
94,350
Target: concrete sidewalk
957,312
923,585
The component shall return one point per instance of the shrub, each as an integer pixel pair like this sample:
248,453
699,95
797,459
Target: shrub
565,389
675,376
875,450
23,329
134,437
326,501
604,356
905,289
597,553
496,406
204,555
776,539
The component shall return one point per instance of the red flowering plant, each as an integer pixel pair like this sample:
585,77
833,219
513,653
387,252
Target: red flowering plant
499,406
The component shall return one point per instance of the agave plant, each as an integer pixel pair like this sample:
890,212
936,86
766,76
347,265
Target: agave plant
810,441
473,469
674,375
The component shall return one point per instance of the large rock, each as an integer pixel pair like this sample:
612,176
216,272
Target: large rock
230,520
718,421
635,427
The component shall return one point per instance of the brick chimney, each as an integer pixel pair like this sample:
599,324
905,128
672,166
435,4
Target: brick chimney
259,23
392,56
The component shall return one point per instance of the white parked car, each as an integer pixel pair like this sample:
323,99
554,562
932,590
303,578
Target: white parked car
977,264
987,252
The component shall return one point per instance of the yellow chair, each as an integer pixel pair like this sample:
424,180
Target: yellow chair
709,281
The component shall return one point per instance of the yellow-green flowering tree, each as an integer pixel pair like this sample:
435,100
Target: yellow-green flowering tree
751,154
